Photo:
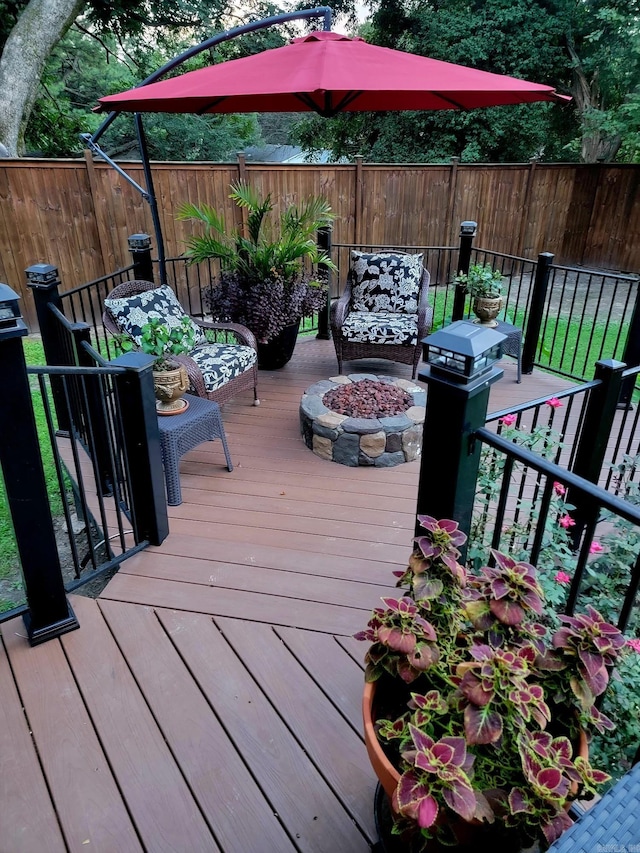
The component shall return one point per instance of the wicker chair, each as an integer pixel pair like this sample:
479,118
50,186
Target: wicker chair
365,338
246,378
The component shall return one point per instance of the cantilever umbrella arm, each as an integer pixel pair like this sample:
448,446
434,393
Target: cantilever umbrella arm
148,194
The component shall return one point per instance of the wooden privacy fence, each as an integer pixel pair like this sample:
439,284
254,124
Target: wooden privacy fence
77,214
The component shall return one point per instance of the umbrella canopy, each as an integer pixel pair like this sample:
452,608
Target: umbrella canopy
329,73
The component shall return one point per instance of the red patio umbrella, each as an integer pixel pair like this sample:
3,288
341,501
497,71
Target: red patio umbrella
328,73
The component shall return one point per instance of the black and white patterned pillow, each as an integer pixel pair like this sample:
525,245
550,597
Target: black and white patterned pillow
385,281
131,313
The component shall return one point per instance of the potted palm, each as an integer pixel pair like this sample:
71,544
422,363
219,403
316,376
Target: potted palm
484,284
476,700
170,380
265,280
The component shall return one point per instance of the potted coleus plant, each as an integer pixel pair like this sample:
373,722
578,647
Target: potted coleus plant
170,380
265,280
484,284
475,704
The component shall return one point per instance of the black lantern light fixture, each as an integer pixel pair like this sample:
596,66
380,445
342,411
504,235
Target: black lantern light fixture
463,351
9,308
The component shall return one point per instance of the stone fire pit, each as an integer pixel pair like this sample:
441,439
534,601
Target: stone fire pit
351,439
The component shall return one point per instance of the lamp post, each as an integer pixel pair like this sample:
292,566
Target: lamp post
461,368
49,612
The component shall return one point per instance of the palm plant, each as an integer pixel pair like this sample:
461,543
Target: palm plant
268,250
265,278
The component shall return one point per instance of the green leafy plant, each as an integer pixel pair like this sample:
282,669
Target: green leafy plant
265,281
482,281
161,341
487,699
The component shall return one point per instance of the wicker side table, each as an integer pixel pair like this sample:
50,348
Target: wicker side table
612,824
513,344
202,421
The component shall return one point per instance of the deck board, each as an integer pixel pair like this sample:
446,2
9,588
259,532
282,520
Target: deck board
87,799
316,818
158,798
221,782
211,699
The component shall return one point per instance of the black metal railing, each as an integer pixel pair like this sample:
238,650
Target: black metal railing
103,499
533,534
85,304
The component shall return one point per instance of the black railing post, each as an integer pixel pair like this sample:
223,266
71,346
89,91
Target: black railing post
324,244
141,435
44,283
140,248
97,430
50,614
631,355
468,231
536,311
594,436
450,456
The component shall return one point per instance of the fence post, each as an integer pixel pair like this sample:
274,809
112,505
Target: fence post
450,456
50,614
594,436
44,283
324,244
631,355
536,310
140,248
468,231
141,436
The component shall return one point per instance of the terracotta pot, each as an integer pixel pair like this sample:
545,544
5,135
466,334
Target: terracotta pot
278,351
486,310
388,776
170,385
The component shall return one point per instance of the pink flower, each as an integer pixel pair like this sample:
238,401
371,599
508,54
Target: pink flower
559,489
509,420
563,577
595,548
635,645
554,403
566,521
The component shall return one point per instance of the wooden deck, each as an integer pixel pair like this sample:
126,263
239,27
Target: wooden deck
211,698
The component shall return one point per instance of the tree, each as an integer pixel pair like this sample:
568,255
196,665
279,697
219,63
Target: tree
30,30
81,69
587,48
36,32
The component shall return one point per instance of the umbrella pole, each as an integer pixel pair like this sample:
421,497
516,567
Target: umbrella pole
151,197
91,140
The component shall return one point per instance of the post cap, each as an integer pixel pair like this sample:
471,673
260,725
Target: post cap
9,309
41,275
468,228
139,241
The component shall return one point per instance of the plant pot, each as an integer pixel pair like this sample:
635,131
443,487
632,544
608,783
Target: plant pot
471,835
275,353
486,310
169,386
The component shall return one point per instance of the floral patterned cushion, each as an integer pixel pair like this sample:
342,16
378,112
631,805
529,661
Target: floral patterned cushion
219,363
386,281
381,327
132,312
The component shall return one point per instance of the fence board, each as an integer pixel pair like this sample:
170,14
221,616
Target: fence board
78,216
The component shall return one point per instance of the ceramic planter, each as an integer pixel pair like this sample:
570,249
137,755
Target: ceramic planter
486,310
278,351
169,386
